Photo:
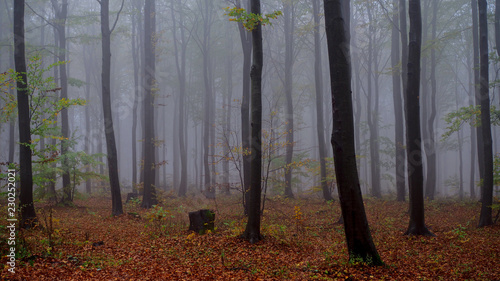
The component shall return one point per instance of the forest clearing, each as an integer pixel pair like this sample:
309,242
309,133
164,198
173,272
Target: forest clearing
301,242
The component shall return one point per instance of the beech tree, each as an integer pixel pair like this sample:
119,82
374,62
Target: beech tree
28,215
487,194
114,181
359,241
149,197
252,230
412,115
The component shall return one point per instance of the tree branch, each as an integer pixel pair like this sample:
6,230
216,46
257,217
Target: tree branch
117,16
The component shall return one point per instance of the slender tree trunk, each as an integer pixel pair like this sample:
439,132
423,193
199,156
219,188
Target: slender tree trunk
412,115
61,12
475,43
372,112
149,198
318,82
246,45
106,109
398,106
487,188
359,242
430,143
135,59
181,74
227,112
288,30
87,58
252,230
28,215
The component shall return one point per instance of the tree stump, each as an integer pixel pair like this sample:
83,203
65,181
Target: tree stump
131,195
202,220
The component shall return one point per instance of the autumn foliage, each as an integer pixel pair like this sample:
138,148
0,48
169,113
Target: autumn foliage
301,242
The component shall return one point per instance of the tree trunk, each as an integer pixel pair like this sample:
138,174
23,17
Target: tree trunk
412,115
398,107
149,197
114,181
487,188
475,43
246,45
135,59
288,30
372,112
87,57
181,74
252,230
318,82
61,12
430,143
28,215
359,242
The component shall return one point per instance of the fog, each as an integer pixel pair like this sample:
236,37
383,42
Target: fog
213,65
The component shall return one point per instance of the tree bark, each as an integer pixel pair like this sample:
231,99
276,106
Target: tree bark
114,181
359,242
487,188
412,115
28,215
61,12
398,106
181,74
475,43
149,197
246,45
288,30
252,230
318,82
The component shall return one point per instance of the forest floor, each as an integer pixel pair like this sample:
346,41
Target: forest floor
302,242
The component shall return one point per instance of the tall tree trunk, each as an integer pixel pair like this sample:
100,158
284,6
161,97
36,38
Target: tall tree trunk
487,188
114,181
372,111
61,12
475,43
149,197
288,12
246,45
398,106
359,242
181,74
412,115
135,58
87,57
430,143
318,82
28,215
227,112
252,230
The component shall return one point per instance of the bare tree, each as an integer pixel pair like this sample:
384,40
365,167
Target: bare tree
359,241
149,197
487,194
412,115
114,181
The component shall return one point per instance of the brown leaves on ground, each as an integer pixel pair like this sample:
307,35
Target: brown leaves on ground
301,243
